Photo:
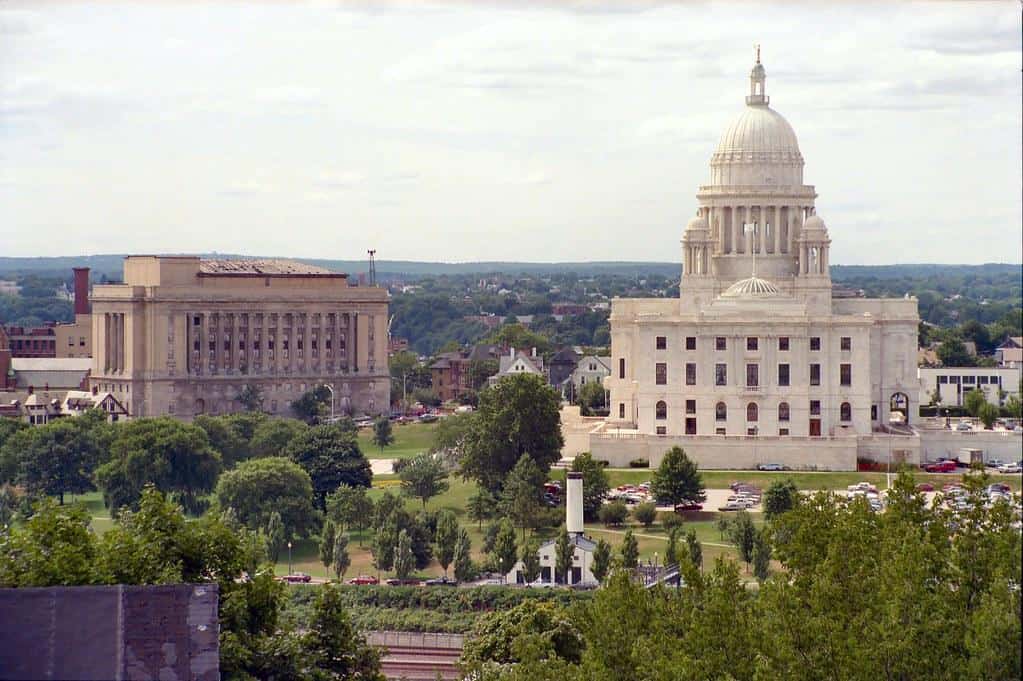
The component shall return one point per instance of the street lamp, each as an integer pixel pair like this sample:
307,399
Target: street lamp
289,557
331,389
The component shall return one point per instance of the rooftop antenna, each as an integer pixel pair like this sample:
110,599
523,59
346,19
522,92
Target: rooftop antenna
372,267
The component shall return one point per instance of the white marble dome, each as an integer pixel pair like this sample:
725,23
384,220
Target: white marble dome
751,287
760,147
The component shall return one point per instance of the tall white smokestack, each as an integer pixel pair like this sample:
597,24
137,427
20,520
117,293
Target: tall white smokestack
574,504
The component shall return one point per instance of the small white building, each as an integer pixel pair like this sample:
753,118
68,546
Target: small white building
952,383
582,558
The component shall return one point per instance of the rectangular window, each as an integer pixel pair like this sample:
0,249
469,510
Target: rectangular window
752,375
873,412
690,342
720,343
783,375
969,379
690,406
783,431
815,407
621,368
719,431
690,373
982,379
845,343
845,374
752,343
621,410
690,426
662,430
720,374
943,379
815,343
815,374
661,373
196,320
662,343
783,343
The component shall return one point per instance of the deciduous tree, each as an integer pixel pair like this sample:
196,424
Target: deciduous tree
463,557
331,456
383,435
340,560
404,559
260,487
595,483
677,479
423,477
522,495
780,497
564,551
519,415
645,514
504,547
530,561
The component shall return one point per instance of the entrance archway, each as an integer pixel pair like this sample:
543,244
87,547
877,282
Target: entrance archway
899,404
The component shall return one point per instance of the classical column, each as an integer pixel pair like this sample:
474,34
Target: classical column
355,342
203,342
734,246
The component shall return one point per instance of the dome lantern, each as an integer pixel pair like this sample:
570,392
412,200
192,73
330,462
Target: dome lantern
757,83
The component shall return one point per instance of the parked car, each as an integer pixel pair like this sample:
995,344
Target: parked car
925,487
999,487
394,581
734,506
993,463
440,581
940,467
864,486
296,578
1009,468
964,426
363,580
427,418
771,467
688,506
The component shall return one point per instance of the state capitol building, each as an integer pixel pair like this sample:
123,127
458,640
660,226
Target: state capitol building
758,360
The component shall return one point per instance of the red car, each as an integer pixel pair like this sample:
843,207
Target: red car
363,580
940,467
688,506
925,487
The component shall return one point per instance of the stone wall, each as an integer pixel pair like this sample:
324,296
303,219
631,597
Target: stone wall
729,452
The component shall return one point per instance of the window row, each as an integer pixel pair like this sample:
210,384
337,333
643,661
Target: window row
752,374
752,343
752,411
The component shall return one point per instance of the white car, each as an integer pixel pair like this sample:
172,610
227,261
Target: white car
1009,468
964,426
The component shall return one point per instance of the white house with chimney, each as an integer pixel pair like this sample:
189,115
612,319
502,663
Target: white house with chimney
582,560
518,362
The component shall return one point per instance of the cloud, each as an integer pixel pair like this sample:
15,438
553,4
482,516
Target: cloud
970,38
245,188
335,180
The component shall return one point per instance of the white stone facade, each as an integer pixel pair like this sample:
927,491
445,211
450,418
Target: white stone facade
756,362
952,383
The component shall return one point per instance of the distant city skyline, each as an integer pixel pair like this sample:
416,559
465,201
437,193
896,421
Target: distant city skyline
456,133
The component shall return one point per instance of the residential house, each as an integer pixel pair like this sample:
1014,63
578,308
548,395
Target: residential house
590,369
518,362
1010,353
561,366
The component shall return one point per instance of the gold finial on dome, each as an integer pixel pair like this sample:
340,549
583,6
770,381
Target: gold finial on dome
758,52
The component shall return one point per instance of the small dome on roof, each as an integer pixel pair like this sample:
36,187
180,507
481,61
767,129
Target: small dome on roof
697,222
753,287
814,223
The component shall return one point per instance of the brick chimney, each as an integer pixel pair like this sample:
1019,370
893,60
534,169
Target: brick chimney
82,290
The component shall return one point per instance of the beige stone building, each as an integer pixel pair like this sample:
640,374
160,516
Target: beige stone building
183,336
758,361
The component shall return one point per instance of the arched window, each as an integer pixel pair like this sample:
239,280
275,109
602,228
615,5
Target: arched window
661,410
752,412
721,412
845,412
783,411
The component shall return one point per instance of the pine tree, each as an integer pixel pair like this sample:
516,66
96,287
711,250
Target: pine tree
340,557
671,554
404,559
275,537
695,549
327,543
630,550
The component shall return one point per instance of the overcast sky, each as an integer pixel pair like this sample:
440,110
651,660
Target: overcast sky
496,131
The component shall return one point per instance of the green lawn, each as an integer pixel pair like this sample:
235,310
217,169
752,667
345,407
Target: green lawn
409,439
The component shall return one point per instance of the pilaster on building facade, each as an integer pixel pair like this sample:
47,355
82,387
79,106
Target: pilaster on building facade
183,336
757,361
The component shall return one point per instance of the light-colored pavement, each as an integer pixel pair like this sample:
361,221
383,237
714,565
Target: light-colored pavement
382,466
